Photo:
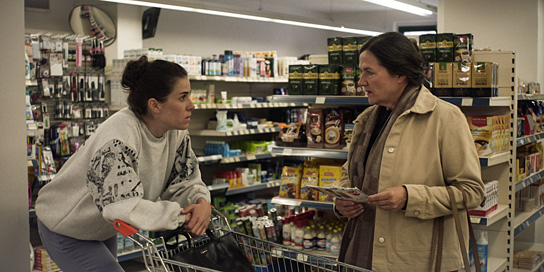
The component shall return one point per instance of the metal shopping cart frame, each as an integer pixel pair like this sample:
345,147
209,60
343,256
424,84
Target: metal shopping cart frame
265,256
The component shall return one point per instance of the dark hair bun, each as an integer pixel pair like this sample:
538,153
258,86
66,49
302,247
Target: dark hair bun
133,72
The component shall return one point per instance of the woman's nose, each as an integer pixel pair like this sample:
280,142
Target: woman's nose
191,105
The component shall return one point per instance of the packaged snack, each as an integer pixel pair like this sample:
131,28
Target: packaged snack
290,181
329,176
334,125
310,177
314,128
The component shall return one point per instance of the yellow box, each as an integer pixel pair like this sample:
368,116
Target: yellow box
329,176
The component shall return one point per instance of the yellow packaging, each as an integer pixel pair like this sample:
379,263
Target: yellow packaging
290,181
443,75
329,176
483,129
310,176
462,77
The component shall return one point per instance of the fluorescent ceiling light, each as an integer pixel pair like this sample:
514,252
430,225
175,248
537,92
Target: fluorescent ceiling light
402,7
248,17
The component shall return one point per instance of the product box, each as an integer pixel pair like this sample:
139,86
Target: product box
329,176
310,79
310,176
349,51
462,79
427,46
334,49
444,47
361,40
296,74
348,75
290,181
42,260
442,78
329,79
464,44
491,189
314,127
483,128
334,126
484,79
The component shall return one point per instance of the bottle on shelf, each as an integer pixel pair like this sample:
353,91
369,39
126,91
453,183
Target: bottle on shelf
321,238
336,240
299,235
308,243
287,231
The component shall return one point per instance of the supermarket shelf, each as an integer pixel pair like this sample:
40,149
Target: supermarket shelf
478,101
221,159
31,82
525,219
233,133
363,100
495,264
310,152
500,213
252,188
529,180
495,159
322,205
250,105
209,159
218,187
239,79
248,158
220,78
539,267
529,139
530,96
320,99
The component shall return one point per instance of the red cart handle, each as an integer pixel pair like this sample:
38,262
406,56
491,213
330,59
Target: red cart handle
124,228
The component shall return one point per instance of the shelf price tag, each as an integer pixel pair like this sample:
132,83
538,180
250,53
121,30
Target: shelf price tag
287,151
251,157
320,100
466,102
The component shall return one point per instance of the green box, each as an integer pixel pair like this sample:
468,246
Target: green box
334,49
310,79
329,79
348,80
444,47
296,74
427,46
349,50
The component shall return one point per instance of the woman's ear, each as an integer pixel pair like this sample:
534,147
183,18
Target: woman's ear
154,105
401,79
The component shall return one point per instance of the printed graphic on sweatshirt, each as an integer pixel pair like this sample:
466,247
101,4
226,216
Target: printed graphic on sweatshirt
111,176
185,163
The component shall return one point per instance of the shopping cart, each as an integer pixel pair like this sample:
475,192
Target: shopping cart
265,256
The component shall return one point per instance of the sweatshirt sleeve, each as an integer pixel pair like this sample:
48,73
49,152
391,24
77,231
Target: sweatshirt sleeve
117,191
185,185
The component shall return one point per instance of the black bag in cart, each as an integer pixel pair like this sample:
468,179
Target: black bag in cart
220,253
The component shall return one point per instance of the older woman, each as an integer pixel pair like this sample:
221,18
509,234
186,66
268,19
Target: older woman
405,150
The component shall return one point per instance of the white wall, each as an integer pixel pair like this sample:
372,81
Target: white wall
190,33
14,240
500,25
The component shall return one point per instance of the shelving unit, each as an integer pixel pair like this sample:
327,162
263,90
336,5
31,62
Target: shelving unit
215,133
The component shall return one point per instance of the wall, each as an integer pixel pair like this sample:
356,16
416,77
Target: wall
190,33
506,25
14,241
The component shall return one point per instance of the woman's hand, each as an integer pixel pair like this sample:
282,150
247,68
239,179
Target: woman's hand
391,199
347,208
197,217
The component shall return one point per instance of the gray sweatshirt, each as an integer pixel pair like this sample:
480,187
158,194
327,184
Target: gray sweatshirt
123,172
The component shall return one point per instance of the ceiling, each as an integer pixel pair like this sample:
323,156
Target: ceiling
348,13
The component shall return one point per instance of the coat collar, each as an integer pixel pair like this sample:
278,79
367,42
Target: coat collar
425,103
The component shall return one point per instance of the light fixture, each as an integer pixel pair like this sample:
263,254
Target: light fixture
402,7
244,16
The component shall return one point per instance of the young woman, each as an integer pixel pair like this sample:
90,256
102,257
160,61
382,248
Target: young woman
137,167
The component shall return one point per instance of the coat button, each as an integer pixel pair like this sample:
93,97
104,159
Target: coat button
381,239
416,213
391,149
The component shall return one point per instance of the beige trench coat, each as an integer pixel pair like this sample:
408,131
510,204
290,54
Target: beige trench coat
429,146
